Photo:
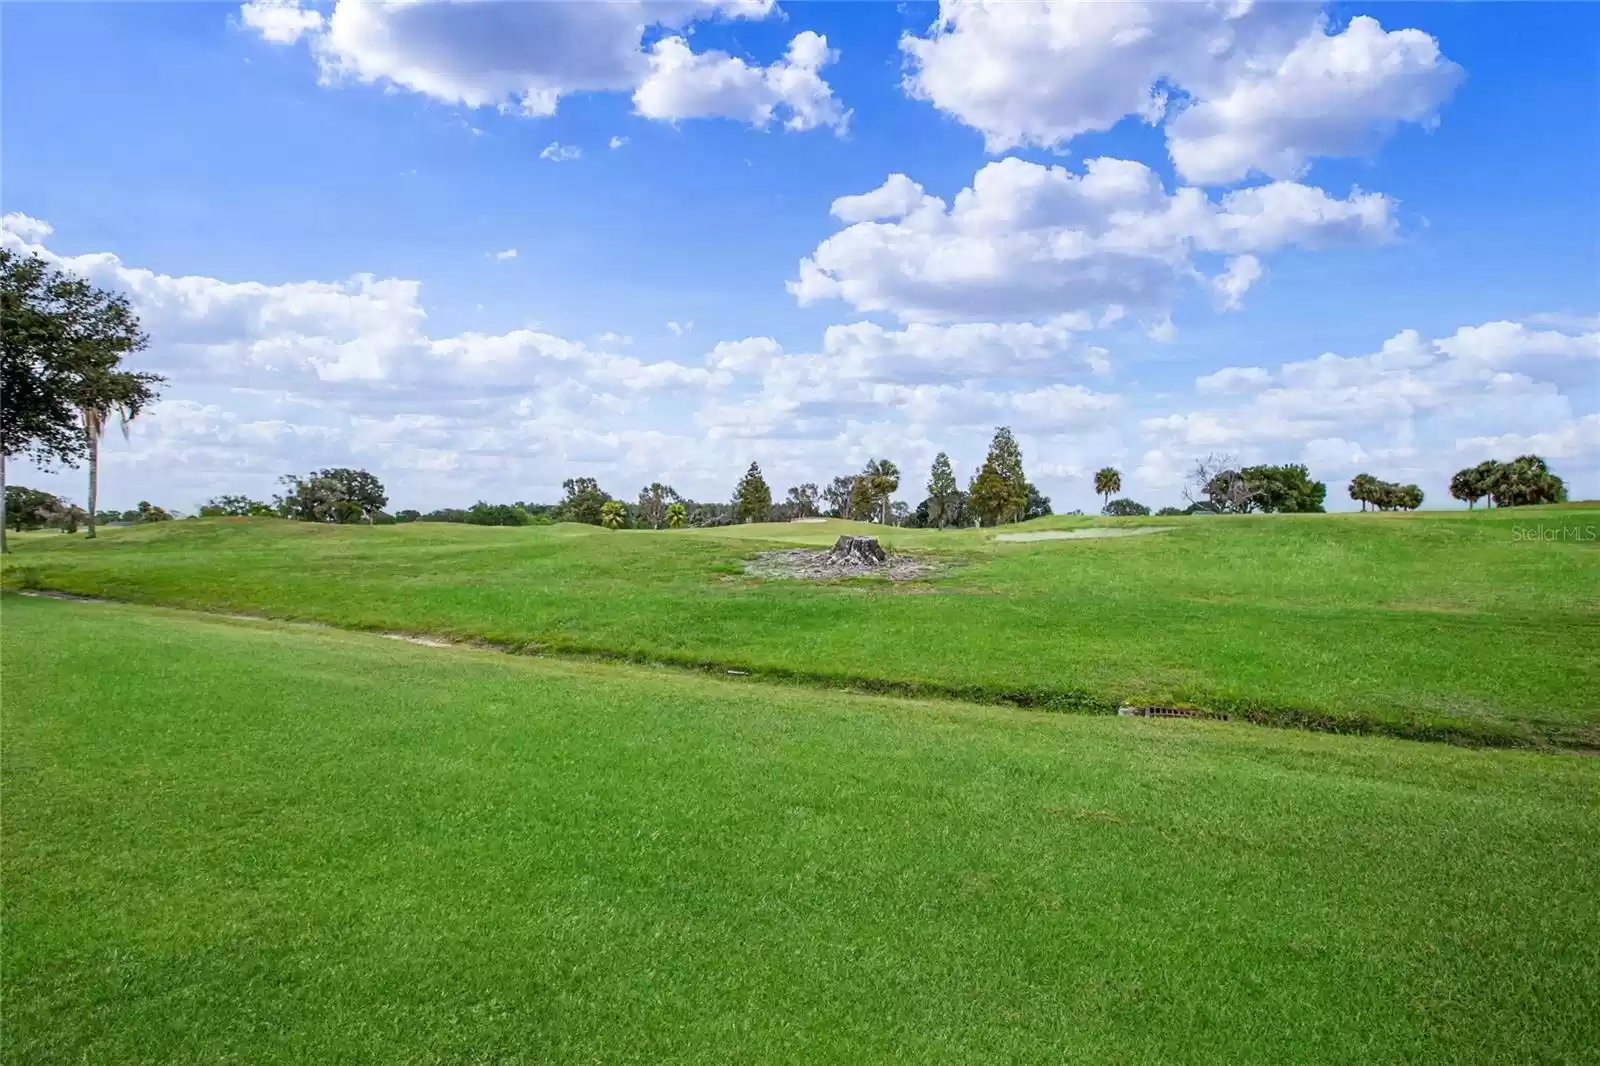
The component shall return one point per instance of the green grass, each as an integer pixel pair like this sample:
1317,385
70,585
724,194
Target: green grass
237,842
1426,625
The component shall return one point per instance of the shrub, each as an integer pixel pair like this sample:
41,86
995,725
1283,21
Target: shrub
1125,508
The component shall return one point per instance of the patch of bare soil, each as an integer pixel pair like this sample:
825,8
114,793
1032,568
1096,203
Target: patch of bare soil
849,557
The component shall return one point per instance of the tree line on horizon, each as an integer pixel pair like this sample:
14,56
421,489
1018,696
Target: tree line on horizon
998,493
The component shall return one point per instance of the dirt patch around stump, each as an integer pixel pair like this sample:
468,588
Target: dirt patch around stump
849,557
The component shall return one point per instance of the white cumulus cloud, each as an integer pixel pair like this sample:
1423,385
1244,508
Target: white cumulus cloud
684,84
1243,87
1032,241
523,58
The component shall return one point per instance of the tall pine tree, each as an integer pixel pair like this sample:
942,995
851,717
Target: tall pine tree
942,491
752,499
1000,490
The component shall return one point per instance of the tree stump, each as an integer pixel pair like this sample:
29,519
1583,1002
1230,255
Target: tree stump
864,550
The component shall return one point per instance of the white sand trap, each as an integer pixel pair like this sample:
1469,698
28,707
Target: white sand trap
1085,534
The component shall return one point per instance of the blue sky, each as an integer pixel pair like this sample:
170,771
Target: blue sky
307,204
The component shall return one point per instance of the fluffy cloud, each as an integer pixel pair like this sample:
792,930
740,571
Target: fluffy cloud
267,379
1579,437
685,84
1333,95
1230,286
364,331
1408,408
1033,241
280,21
524,57
1261,87
967,375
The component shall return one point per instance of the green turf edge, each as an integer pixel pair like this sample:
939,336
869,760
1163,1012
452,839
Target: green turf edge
1527,735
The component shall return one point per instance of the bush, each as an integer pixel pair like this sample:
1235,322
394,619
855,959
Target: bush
1170,512
1125,508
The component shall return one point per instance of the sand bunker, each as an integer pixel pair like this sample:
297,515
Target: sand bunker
1085,534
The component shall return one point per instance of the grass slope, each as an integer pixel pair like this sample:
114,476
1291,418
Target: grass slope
235,842
1442,624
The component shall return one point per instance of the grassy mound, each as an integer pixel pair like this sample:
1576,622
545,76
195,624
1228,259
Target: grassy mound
1447,626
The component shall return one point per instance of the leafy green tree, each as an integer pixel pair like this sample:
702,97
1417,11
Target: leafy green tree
1525,481
752,498
654,499
1284,489
999,490
840,495
27,508
236,507
62,342
37,418
613,514
496,514
1107,480
582,502
149,512
1125,508
339,495
862,503
1171,512
1038,504
677,514
942,492
1466,485
1364,489
802,501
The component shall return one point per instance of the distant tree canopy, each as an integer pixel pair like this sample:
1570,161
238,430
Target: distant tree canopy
654,499
752,497
1286,489
999,491
804,501
484,513
1216,485
1384,495
29,508
236,507
582,502
1037,505
340,495
1124,508
1524,481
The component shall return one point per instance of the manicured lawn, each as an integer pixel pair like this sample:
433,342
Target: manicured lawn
1423,625
229,841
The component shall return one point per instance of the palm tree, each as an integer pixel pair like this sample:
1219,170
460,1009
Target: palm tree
1107,481
883,478
101,395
